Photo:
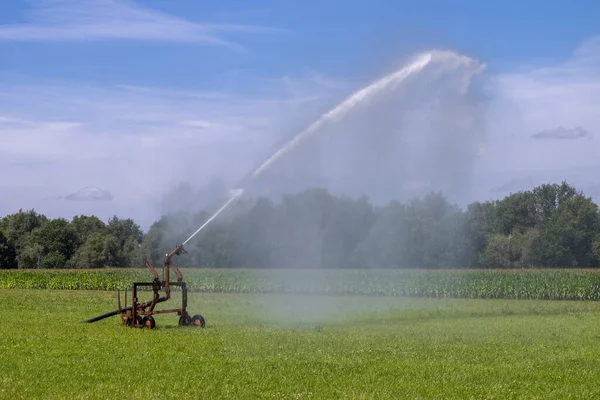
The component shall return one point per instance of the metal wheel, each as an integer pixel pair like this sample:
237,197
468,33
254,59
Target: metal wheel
148,322
198,320
185,320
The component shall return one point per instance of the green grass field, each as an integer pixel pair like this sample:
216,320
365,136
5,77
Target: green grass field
297,346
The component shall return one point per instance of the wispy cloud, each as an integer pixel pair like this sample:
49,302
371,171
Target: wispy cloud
80,20
136,142
89,193
539,99
563,133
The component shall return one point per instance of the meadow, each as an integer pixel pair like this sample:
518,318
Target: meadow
288,346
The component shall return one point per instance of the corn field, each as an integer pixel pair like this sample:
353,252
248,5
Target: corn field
550,284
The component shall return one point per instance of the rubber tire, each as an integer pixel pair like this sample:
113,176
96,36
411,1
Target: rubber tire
185,321
138,321
198,320
148,322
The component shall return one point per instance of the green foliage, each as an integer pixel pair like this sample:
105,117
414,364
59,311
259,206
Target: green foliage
31,255
596,249
8,255
127,237
97,252
17,229
552,225
18,225
31,240
53,259
56,236
85,226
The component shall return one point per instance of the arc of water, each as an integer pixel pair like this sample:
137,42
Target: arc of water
235,195
388,82
362,95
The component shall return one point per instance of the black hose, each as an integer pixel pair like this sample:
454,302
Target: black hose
116,312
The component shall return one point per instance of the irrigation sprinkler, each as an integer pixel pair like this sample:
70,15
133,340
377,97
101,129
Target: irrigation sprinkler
140,315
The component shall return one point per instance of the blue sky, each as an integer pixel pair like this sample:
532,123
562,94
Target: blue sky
345,39
93,88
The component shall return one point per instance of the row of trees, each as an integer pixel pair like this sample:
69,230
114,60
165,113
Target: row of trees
31,240
550,226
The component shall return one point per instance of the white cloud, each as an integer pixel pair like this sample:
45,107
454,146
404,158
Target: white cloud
308,86
136,142
78,20
16,134
90,194
563,134
539,98
200,124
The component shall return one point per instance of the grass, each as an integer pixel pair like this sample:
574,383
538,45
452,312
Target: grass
543,284
297,346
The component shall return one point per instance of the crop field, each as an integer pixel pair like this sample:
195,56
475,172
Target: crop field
299,347
542,284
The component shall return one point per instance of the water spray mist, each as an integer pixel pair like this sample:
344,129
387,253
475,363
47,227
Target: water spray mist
446,59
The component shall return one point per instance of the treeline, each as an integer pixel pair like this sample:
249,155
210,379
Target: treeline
31,240
553,225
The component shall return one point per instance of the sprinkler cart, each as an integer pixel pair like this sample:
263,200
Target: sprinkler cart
140,315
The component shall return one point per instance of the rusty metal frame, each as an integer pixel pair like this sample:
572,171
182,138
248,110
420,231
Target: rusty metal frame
132,315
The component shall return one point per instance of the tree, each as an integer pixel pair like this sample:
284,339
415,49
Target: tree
298,229
31,255
515,213
567,236
128,237
253,236
346,229
553,225
596,249
480,224
52,243
216,248
437,233
54,259
167,232
427,233
385,243
56,235
152,247
8,255
84,226
97,252
530,255
124,230
503,250
549,196
17,228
